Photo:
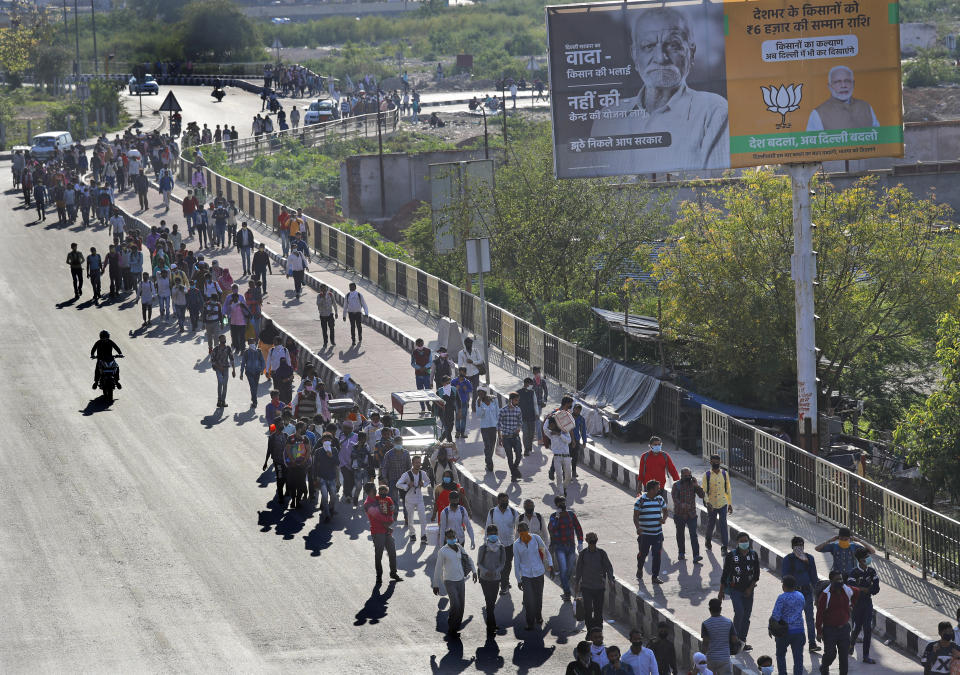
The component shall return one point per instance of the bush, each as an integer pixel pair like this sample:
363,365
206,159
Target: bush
930,68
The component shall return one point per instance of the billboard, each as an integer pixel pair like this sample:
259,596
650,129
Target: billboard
641,87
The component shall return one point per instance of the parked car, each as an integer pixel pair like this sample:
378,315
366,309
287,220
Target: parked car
323,110
280,19
46,144
148,85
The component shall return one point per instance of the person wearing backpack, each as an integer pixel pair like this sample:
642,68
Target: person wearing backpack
148,295
505,518
491,561
410,488
451,570
716,488
212,319
455,519
802,567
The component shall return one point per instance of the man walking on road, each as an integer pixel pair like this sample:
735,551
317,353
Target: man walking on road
190,206
508,434
803,569
471,360
505,518
717,499
449,572
685,492
327,309
352,304
296,267
141,186
530,557
379,510
566,535
261,265
221,360
865,579
530,411
212,320
655,464
252,364
788,612
641,659
590,580
741,572
420,361
833,621
411,485
94,269
844,547
717,634
649,515
244,241
491,561
75,261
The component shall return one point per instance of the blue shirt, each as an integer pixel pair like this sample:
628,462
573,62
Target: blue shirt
789,608
464,389
580,430
844,559
804,572
489,414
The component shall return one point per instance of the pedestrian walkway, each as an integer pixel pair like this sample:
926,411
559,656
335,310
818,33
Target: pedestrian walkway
382,367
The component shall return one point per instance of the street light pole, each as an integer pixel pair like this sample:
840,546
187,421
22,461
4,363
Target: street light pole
383,191
93,22
486,138
804,271
76,33
503,106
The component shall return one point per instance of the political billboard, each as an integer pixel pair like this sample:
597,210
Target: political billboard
641,87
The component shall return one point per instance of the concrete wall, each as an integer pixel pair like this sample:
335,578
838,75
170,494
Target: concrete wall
914,36
406,178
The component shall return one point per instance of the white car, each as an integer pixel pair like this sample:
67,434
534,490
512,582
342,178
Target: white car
46,145
323,110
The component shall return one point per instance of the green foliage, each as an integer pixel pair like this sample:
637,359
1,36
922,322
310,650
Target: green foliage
930,68
167,11
367,234
30,31
932,11
883,270
931,430
51,62
217,30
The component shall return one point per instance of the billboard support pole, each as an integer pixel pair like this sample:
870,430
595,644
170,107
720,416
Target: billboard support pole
803,272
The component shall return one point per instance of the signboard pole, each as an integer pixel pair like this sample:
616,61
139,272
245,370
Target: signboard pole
478,262
804,272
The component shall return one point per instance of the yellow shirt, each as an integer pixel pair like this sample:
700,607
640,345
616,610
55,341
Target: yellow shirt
294,224
716,487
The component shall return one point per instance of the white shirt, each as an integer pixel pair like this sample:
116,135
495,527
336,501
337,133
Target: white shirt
506,522
599,655
559,443
644,663
534,524
474,356
413,483
295,262
527,561
458,521
277,354
448,566
354,302
117,223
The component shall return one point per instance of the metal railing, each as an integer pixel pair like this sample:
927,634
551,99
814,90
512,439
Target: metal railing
891,522
246,148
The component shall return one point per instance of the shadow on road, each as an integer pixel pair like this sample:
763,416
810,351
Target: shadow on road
452,661
213,419
66,303
98,404
375,608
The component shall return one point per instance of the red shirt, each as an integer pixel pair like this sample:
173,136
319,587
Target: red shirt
379,521
190,205
443,498
284,217
838,612
654,466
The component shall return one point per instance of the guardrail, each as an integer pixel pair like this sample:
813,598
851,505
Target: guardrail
246,148
891,522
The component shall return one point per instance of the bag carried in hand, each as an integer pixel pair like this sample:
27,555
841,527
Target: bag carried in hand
481,368
465,562
777,629
579,611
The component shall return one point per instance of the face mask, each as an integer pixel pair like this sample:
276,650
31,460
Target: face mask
766,670
447,480
493,539
637,645
715,466
844,544
798,550
686,479
743,545
947,637
837,585
656,448
662,633
452,542
529,512
867,561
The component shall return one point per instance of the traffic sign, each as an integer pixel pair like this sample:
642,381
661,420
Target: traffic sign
276,44
170,104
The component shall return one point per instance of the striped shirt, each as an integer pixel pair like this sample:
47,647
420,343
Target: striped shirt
651,513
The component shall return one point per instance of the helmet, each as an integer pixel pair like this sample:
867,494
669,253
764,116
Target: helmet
104,335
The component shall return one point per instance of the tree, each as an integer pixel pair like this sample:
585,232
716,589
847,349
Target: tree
168,11
29,29
52,62
884,272
216,30
931,430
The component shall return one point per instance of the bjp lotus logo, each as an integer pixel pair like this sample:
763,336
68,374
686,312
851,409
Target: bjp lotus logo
783,99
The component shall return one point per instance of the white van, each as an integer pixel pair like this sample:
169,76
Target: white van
46,144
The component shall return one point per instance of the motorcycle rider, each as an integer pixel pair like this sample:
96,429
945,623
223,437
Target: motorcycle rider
103,351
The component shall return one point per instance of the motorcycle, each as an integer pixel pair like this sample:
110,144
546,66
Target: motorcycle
109,370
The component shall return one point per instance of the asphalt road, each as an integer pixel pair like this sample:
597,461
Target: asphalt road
138,537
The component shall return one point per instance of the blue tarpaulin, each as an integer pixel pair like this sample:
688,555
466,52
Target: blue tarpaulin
696,400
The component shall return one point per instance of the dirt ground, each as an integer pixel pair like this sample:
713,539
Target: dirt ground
928,104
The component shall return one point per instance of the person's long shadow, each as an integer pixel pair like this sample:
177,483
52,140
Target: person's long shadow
487,658
66,303
267,477
319,538
89,303
291,523
354,352
452,661
249,415
213,419
99,404
375,608
530,652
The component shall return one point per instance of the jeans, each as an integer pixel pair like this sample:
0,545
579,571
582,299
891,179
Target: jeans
297,281
795,642
592,606
836,645
381,542
529,428
191,219
533,599
355,324
253,379
164,305
742,609
223,377
652,543
77,274
262,276
219,235
95,283
507,566
245,253
462,418
809,615
213,332
285,241
475,383
490,587
194,317
423,382
142,197
181,312
683,524
511,446
862,619
456,591
564,556
328,495
202,235
489,436
714,515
